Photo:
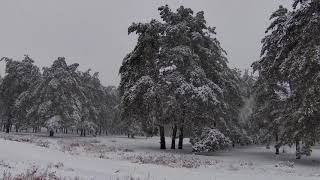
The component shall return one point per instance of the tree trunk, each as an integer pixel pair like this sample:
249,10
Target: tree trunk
162,138
8,127
180,146
51,133
277,143
81,132
84,133
174,135
298,150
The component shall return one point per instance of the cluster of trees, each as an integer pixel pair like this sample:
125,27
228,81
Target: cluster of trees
59,97
177,76
177,79
287,90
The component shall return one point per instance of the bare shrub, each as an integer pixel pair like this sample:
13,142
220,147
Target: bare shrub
175,161
32,174
35,173
289,164
43,143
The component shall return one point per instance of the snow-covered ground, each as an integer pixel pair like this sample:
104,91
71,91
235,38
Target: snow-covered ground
114,158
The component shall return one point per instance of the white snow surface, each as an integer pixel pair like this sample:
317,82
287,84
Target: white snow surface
116,157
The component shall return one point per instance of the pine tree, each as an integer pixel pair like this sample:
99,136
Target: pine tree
57,94
290,58
187,45
20,75
176,76
101,101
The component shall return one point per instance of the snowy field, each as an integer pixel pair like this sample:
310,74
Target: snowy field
120,158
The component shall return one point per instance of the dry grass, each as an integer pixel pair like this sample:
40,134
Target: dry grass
170,160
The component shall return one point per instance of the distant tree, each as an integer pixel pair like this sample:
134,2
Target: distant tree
58,93
110,111
101,101
20,75
236,98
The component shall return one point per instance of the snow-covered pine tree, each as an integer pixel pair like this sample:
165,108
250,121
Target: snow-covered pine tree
58,94
175,74
186,44
188,30
237,100
269,109
247,83
301,49
291,56
110,110
101,100
139,90
210,58
20,75
95,98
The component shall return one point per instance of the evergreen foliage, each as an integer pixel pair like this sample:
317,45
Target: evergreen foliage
61,97
289,72
177,75
210,140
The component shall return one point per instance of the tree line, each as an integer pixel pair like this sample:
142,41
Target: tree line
59,97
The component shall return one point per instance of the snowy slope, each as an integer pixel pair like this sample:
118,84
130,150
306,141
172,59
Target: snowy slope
254,163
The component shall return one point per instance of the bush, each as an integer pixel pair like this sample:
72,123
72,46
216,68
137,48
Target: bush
210,140
31,174
170,160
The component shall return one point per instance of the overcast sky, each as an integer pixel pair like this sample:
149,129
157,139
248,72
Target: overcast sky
94,32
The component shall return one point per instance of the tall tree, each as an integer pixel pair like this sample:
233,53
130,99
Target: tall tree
138,89
175,74
290,57
58,94
101,100
20,75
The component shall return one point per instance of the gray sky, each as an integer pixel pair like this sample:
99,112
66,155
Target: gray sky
94,32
